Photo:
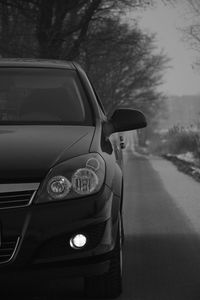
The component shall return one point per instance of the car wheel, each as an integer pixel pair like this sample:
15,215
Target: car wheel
108,285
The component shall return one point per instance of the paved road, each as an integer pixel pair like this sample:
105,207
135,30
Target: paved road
162,224
162,218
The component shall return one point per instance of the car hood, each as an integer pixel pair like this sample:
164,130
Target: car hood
28,152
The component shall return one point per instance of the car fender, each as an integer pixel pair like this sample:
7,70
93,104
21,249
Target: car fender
117,187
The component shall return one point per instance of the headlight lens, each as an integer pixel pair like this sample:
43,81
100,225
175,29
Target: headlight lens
93,163
74,178
58,187
84,181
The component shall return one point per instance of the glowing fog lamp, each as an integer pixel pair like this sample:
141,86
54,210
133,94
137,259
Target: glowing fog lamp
78,241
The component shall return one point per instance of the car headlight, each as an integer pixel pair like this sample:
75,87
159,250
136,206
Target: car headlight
84,181
78,177
58,187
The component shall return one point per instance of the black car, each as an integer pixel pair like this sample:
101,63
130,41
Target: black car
61,187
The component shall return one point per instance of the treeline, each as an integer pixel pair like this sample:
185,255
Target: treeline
120,59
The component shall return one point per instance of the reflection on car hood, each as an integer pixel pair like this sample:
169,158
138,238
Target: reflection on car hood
28,152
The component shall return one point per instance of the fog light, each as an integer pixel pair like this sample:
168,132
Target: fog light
78,241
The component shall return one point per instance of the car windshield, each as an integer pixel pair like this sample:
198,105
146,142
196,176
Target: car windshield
42,96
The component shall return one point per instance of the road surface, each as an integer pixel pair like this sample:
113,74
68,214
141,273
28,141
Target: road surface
162,222
162,242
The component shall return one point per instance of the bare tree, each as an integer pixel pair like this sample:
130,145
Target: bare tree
57,27
124,66
193,31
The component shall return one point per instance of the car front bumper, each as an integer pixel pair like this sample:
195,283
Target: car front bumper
42,233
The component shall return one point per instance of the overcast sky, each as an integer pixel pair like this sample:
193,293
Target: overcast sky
166,22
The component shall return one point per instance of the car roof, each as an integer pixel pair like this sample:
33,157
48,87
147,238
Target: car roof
36,63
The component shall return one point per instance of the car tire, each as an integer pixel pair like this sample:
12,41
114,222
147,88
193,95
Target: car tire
108,285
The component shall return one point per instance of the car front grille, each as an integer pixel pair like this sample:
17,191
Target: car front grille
15,199
7,249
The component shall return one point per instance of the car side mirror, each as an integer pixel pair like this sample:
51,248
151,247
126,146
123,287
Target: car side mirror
124,119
